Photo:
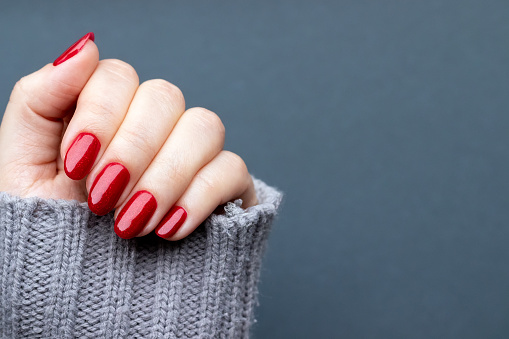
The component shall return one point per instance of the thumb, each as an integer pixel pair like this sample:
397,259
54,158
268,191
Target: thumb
33,122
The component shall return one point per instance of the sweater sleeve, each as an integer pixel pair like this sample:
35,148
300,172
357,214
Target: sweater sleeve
65,274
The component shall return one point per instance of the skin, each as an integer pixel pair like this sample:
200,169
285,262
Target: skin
174,153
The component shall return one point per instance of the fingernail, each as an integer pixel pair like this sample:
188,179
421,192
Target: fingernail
135,214
107,188
74,49
80,157
171,222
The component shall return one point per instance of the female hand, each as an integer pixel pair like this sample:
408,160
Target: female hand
160,166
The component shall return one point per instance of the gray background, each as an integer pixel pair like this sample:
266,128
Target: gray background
385,123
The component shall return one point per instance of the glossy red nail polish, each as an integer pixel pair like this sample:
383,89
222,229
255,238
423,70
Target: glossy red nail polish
80,157
171,222
107,188
74,49
135,214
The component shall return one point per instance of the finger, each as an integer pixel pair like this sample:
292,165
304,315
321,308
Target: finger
33,122
224,179
196,139
101,108
154,111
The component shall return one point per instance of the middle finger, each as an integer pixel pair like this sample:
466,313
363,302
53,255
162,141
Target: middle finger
154,111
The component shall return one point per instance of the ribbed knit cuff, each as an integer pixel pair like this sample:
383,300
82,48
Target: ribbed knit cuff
65,274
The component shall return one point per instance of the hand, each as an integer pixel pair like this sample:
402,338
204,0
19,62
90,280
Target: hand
85,129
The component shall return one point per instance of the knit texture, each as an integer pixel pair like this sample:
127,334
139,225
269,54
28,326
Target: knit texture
65,274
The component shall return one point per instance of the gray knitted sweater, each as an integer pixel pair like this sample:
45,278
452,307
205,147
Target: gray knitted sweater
65,274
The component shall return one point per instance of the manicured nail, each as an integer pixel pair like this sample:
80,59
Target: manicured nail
107,188
74,49
80,157
171,222
135,214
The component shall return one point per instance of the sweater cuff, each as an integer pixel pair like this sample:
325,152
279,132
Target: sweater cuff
64,272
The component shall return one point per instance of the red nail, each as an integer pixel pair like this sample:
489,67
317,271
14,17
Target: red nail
107,188
80,157
74,49
135,214
171,222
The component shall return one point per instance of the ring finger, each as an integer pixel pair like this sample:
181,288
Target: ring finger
196,139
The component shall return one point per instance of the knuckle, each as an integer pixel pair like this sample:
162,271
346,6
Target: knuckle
57,95
19,90
235,163
24,96
208,121
207,183
176,172
121,69
165,92
137,140
173,169
106,109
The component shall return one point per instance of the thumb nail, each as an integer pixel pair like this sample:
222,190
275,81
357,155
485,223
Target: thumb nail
74,49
